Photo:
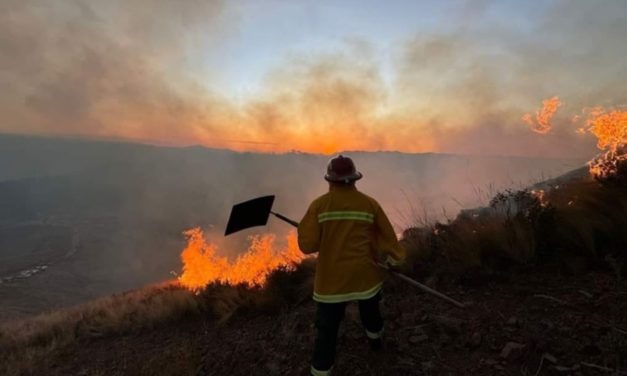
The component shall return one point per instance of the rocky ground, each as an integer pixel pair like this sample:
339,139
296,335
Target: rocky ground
525,324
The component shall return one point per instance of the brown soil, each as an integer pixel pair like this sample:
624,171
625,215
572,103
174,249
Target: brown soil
555,324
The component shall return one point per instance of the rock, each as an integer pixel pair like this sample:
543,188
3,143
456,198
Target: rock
427,366
512,350
418,339
513,321
491,362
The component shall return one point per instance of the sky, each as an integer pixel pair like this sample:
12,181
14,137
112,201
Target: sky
313,76
272,30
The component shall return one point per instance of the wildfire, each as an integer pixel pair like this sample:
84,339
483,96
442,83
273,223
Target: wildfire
542,123
202,265
540,195
610,128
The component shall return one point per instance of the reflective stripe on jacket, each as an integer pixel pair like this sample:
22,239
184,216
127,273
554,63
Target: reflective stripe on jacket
349,230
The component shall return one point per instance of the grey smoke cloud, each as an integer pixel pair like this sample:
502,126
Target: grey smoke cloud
122,69
487,72
101,68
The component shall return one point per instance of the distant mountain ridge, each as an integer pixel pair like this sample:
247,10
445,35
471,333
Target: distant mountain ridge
80,173
30,156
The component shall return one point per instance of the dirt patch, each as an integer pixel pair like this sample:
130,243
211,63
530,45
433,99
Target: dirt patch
530,324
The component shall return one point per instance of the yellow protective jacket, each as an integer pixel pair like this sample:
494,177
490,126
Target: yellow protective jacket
349,230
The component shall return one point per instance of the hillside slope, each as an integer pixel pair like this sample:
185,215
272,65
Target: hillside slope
105,217
552,325
556,308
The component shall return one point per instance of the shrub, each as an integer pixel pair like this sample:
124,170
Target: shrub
583,221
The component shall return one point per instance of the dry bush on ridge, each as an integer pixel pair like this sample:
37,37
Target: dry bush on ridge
287,287
573,225
284,288
486,238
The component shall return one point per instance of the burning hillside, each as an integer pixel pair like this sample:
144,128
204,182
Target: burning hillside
202,265
511,263
609,126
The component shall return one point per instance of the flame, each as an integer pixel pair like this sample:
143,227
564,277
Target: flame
608,126
202,265
542,123
610,129
540,195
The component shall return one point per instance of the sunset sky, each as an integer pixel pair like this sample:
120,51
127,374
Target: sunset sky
314,76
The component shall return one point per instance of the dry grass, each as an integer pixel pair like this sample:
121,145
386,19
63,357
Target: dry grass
573,226
29,342
24,341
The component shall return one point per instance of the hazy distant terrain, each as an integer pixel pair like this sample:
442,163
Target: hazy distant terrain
79,219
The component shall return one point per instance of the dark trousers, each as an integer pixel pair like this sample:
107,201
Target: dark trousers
328,319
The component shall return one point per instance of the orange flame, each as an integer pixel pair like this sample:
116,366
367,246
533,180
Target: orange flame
610,128
540,195
202,265
542,123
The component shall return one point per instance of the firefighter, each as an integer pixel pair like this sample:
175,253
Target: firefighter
350,232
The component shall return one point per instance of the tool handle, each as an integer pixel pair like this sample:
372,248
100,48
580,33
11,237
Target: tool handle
284,218
396,274
421,286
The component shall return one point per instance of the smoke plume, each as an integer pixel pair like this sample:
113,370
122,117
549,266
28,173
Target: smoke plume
131,70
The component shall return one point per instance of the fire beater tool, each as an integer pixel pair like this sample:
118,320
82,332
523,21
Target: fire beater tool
256,212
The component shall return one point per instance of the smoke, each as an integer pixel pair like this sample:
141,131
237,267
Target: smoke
487,74
130,69
111,69
133,70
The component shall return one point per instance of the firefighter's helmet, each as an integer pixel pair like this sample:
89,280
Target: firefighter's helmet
341,169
